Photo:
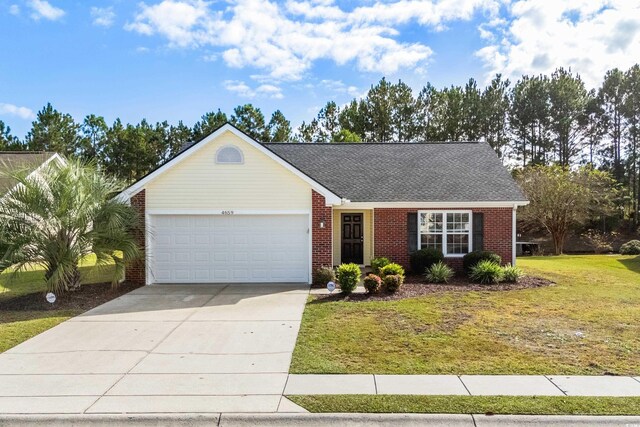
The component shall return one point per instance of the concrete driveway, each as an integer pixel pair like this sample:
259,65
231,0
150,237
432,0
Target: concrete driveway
162,348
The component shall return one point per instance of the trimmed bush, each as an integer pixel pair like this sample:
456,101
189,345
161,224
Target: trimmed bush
391,269
378,263
393,282
323,275
372,283
473,258
424,258
348,277
486,272
511,273
439,273
632,247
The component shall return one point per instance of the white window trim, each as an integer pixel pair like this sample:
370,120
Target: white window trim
241,162
443,233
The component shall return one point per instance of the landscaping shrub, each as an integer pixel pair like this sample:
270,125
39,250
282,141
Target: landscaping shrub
424,258
391,269
348,277
486,272
378,263
439,273
393,282
323,275
511,273
632,247
473,258
372,283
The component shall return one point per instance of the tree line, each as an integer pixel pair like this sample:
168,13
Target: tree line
538,120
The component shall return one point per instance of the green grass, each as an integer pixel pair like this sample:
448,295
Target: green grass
516,405
530,331
19,326
27,282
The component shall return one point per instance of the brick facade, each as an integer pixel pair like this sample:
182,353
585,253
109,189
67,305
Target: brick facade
136,272
321,238
390,233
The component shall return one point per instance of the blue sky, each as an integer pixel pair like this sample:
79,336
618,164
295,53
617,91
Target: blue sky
177,59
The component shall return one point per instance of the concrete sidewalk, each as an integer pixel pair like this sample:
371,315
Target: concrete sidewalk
309,420
464,385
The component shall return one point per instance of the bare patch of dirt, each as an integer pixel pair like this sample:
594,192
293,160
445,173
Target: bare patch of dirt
87,297
414,286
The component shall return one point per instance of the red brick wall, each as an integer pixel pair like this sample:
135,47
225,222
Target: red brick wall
136,272
321,247
390,233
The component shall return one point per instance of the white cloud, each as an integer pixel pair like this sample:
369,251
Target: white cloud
240,88
285,40
14,9
14,110
590,36
103,16
44,9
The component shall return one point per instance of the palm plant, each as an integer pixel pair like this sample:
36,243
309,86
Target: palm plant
60,216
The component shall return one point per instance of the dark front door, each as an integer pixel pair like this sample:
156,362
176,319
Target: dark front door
352,237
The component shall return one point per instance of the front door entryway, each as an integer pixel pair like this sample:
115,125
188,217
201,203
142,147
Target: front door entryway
352,238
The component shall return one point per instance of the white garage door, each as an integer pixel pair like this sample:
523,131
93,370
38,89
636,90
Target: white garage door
229,248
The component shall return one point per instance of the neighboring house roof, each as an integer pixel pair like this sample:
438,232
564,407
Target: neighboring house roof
405,172
12,162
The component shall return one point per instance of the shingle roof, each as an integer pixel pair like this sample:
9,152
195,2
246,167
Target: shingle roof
405,172
19,161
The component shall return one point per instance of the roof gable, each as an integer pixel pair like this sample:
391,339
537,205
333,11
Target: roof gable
331,197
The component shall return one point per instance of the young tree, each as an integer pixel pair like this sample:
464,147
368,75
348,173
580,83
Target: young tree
560,198
60,217
53,131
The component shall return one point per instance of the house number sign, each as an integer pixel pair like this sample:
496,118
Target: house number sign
227,212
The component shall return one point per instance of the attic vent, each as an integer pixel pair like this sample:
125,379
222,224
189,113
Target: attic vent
229,155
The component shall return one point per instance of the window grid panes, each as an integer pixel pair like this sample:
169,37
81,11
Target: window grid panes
446,231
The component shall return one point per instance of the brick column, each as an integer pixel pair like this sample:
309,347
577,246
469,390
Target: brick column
321,244
136,271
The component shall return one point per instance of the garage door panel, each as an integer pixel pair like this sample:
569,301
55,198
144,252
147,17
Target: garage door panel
238,248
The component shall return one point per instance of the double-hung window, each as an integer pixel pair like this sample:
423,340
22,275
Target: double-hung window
447,231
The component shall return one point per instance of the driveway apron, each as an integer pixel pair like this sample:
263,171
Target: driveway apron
162,348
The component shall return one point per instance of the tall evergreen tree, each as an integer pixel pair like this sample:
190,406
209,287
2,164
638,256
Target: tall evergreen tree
612,100
279,128
9,142
494,115
208,123
250,120
568,102
93,137
53,131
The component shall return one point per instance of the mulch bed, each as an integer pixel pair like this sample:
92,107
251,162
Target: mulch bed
414,286
87,297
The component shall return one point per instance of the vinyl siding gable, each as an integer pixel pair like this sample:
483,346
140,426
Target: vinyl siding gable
259,183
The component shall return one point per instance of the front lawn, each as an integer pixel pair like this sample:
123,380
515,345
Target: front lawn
588,323
24,312
516,405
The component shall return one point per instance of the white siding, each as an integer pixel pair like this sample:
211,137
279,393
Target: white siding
260,183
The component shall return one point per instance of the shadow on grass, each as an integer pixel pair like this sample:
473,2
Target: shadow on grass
632,264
